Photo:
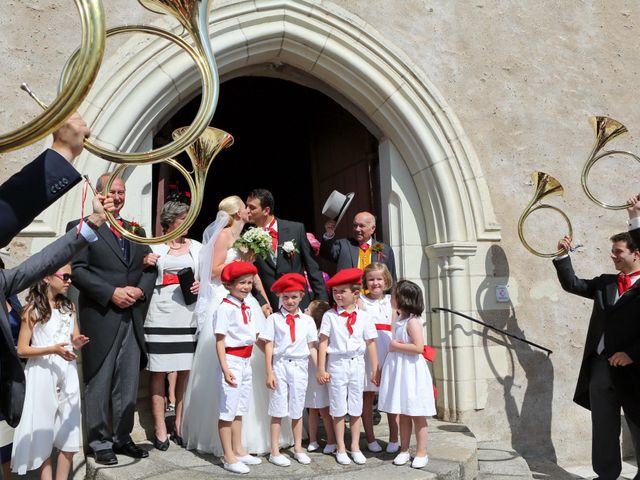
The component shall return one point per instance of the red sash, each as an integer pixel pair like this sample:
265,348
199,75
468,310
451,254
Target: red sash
243,352
383,326
169,279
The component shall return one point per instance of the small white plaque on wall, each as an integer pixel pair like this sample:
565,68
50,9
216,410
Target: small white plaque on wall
502,294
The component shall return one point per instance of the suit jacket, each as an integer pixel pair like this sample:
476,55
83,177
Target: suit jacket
621,327
13,281
345,253
300,262
97,271
30,191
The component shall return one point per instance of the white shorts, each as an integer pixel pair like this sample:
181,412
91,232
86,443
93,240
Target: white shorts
234,401
346,385
292,376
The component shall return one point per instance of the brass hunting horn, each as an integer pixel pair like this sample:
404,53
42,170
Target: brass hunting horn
202,142
606,129
545,185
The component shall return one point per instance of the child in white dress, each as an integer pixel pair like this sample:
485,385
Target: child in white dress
290,343
317,398
377,304
345,333
51,415
406,386
235,337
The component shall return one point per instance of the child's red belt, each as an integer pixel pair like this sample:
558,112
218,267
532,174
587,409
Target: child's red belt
383,326
243,352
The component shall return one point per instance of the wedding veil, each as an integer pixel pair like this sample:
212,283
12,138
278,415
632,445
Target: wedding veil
207,285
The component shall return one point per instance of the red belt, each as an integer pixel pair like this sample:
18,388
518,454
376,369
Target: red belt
169,279
243,352
429,353
383,326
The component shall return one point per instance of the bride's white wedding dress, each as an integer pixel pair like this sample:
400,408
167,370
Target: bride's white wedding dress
200,420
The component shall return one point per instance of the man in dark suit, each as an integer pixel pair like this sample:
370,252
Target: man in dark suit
360,250
609,377
113,299
291,251
40,183
24,196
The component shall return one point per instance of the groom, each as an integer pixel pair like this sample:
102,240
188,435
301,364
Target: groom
291,250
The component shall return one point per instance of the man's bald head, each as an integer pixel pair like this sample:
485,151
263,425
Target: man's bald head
364,225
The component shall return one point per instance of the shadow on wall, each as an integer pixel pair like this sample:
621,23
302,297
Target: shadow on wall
530,423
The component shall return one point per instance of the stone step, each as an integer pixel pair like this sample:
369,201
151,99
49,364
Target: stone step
499,461
452,453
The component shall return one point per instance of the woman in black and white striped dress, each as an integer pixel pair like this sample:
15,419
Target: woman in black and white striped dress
170,326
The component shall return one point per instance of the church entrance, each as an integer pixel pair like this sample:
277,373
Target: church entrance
293,140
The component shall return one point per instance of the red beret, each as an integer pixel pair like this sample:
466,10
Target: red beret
234,270
289,282
347,276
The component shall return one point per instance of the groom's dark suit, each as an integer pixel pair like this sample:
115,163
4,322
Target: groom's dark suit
299,262
601,388
111,360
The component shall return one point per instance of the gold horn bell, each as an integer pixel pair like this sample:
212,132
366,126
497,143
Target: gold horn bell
545,185
202,142
605,129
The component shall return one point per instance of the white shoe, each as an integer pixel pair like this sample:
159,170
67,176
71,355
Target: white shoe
313,446
419,462
237,467
402,458
279,460
250,460
302,458
374,447
359,458
393,447
342,458
329,448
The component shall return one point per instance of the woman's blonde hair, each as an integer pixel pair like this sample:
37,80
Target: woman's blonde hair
231,205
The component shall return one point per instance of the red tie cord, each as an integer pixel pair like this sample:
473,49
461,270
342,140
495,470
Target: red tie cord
83,198
351,320
364,247
291,321
243,306
274,234
624,281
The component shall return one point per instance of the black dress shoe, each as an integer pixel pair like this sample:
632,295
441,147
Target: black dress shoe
105,457
177,439
161,445
130,449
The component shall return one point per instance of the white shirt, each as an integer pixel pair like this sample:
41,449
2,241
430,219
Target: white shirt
379,310
229,322
277,331
334,326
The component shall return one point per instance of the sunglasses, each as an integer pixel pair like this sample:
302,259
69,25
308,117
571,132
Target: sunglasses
65,277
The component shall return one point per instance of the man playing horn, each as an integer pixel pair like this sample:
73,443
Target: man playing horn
609,377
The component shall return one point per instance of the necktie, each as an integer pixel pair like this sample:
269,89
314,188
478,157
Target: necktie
364,247
291,321
274,235
351,320
123,243
113,229
364,256
625,282
243,306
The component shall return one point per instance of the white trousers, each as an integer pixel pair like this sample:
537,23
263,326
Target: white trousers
234,401
346,385
292,377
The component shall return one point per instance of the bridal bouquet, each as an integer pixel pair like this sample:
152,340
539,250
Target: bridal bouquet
255,240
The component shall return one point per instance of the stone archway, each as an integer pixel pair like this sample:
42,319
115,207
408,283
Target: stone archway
438,201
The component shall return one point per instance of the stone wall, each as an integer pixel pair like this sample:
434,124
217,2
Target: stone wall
522,78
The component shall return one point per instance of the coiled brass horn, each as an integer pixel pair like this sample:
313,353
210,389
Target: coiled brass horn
606,129
202,153
545,185
79,82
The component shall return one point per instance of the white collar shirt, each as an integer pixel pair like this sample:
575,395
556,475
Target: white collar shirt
277,331
334,326
380,310
229,322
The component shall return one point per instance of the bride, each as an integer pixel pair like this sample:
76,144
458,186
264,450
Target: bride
200,417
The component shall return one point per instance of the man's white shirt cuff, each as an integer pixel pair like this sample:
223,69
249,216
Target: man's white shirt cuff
87,232
634,223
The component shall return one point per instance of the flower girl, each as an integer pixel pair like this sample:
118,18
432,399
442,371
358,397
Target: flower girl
51,414
406,386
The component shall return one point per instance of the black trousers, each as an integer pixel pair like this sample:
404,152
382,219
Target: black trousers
605,422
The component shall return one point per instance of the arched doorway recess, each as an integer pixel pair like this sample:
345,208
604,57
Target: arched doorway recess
439,213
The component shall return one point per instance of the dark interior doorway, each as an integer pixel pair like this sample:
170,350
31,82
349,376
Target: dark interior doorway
290,139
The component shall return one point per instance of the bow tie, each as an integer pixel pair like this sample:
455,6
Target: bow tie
291,321
625,282
351,320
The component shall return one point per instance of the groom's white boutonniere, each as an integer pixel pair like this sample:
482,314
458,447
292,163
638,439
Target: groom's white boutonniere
289,248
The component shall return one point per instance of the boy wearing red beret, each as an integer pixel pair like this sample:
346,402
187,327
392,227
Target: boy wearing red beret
235,336
345,333
290,338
